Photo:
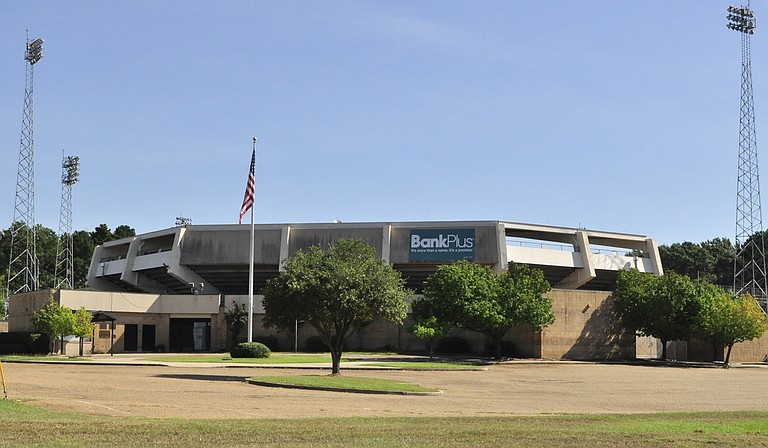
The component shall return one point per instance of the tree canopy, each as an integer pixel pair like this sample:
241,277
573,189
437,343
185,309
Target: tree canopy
54,320
47,245
665,307
336,291
727,319
426,325
711,260
236,318
471,296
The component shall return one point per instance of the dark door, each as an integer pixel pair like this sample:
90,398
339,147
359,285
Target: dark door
147,338
188,335
131,338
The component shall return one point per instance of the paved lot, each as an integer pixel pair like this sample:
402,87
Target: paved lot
191,390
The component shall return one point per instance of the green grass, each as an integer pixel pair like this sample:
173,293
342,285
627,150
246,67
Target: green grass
275,358
43,358
425,365
297,358
25,426
342,382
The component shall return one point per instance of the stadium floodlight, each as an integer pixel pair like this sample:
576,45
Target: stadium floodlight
34,51
741,19
71,170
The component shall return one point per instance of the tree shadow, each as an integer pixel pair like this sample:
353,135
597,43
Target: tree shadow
200,377
603,337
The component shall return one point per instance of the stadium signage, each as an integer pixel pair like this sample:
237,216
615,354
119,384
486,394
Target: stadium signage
442,244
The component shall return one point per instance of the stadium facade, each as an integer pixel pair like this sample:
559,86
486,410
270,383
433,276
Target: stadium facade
168,290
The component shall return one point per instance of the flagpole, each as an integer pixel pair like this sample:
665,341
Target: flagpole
250,264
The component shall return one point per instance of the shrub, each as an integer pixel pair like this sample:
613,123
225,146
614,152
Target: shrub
315,344
453,345
250,350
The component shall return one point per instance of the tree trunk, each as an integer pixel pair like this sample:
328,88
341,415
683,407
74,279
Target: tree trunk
663,350
431,348
496,341
335,360
728,356
61,348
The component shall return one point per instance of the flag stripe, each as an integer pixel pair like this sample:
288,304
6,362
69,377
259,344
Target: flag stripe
249,188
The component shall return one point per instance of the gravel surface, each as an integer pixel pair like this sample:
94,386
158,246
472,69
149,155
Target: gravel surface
195,391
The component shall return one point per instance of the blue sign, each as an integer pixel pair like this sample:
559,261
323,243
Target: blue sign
442,244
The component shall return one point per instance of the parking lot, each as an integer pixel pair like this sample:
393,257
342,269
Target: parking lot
514,388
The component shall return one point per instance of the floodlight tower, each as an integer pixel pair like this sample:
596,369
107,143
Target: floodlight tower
65,266
749,264
23,267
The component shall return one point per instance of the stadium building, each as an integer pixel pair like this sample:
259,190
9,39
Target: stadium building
168,290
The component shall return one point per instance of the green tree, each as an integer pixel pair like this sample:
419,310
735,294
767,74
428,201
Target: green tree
101,234
123,231
473,297
236,318
47,246
82,252
689,259
82,327
727,319
710,260
54,320
336,291
427,326
665,307
723,253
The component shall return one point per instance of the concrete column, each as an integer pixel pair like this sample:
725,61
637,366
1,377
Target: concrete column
386,242
501,243
653,253
284,239
580,276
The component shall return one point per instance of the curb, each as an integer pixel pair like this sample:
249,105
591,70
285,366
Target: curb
339,389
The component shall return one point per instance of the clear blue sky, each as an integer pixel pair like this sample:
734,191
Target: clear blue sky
620,116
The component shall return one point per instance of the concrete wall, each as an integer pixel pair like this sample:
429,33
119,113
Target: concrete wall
22,307
755,350
303,238
751,351
214,247
585,328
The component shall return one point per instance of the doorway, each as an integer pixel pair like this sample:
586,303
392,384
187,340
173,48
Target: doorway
147,338
131,338
190,334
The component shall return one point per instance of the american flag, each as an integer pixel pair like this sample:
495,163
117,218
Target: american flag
249,187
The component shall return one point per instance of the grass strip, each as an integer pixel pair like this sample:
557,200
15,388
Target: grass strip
425,365
25,425
341,382
275,358
46,358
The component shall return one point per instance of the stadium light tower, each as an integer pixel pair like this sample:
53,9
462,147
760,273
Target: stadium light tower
65,266
23,266
749,264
